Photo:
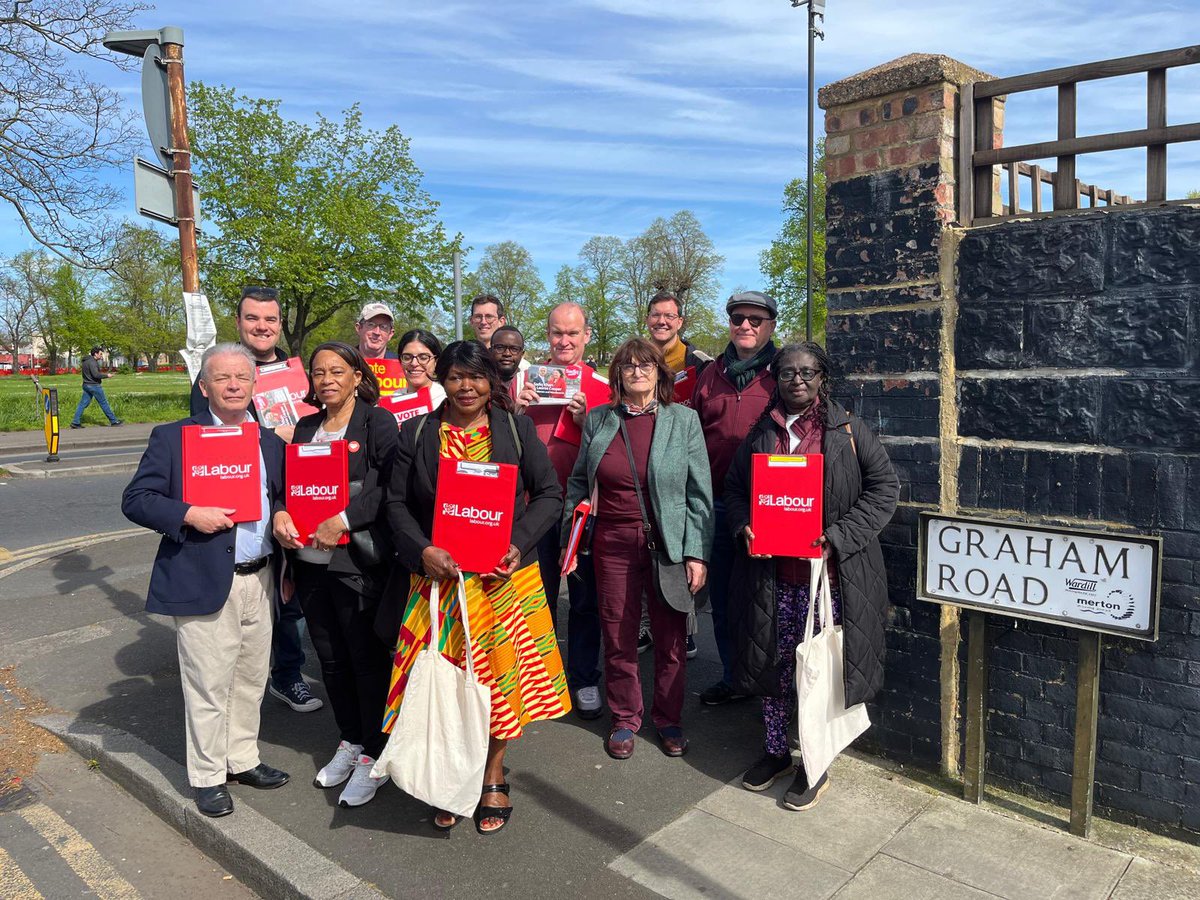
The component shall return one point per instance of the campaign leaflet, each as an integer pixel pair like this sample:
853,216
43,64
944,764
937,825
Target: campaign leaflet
390,375
275,408
221,468
318,485
786,495
595,387
555,384
288,374
473,512
408,406
685,383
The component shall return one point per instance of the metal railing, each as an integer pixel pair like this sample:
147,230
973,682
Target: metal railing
979,198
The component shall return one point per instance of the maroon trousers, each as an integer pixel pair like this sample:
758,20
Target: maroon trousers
623,572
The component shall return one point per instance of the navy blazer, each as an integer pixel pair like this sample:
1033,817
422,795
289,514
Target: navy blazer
193,571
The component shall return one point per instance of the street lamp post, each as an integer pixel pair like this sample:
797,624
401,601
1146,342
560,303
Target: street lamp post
816,10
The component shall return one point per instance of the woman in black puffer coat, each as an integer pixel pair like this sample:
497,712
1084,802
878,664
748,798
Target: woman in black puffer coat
767,614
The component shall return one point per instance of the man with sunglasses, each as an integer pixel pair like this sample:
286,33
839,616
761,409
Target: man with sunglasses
375,327
730,396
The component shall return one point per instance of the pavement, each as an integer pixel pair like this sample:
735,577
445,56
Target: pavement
93,450
71,623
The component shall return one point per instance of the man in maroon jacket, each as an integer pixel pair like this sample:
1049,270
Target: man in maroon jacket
730,396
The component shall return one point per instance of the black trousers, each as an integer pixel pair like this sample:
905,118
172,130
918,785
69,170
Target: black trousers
355,665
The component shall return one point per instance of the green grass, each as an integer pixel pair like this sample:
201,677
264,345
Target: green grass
134,398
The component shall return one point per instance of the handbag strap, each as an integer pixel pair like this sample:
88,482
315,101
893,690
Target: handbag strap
637,486
435,620
816,576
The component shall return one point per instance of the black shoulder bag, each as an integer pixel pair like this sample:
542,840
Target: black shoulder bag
670,579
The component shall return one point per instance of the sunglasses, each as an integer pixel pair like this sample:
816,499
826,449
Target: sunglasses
736,320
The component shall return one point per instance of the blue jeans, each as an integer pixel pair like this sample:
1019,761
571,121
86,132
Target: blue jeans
720,570
583,619
93,392
287,645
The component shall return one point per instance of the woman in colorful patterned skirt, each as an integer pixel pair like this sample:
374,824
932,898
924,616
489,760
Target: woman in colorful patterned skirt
514,649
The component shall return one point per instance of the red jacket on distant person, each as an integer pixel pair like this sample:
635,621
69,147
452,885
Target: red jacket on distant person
727,414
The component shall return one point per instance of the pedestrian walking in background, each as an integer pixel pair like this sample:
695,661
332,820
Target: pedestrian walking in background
644,458
93,389
769,597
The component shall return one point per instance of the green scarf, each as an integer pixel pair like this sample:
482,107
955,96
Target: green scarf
743,371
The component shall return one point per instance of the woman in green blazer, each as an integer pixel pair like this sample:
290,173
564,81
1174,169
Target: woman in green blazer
643,458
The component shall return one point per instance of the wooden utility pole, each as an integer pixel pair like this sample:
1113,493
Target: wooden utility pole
181,166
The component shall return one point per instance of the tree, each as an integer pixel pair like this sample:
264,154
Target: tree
67,319
506,271
61,132
784,263
333,214
604,294
146,295
20,293
681,258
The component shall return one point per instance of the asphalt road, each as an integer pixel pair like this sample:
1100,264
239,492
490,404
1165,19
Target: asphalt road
35,511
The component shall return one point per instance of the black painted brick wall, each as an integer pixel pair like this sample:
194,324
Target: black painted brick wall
1121,292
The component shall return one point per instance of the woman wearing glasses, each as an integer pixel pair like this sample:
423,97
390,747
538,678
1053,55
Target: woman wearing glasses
644,458
770,596
419,352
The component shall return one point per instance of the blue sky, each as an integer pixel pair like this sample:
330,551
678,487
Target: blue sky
549,122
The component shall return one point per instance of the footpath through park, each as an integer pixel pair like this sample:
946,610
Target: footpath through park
584,825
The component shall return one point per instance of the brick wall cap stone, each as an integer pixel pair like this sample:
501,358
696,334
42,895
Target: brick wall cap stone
913,70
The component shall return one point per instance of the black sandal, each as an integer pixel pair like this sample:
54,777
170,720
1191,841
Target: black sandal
439,827
492,812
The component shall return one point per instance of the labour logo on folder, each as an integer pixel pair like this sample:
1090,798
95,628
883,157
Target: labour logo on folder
221,468
785,504
318,485
473,512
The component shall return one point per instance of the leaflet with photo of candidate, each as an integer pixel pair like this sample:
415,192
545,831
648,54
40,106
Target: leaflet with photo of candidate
289,374
473,512
221,467
390,375
555,384
275,408
786,494
318,485
408,406
596,391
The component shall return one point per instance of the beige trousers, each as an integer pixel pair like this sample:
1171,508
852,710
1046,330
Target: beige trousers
224,659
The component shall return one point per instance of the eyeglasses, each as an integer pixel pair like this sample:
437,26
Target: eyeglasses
484,317
663,317
630,368
379,326
736,320
786,376
421,358
507,349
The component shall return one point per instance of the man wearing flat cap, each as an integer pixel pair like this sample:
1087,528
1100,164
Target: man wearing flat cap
730,396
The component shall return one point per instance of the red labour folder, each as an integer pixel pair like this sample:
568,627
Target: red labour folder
318,485
221,468
579,520
786,495
596,388
290,374
685,383
408,406
473,512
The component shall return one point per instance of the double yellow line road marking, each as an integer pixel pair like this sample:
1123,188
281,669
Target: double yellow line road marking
13,561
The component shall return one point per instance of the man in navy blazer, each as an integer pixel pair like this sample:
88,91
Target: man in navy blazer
217,580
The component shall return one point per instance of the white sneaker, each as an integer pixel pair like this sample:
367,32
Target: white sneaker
587,702
339,768
362,786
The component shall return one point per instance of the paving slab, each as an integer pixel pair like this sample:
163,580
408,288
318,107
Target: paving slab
860,812
1145,880
1013,859
701,855
885,878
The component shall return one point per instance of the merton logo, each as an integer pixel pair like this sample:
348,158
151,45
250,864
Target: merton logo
782,500
316,491
477,515
1117,605
221,471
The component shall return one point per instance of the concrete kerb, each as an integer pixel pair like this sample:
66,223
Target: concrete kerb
264,856
20,471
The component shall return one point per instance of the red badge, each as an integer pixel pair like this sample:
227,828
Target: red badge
353,446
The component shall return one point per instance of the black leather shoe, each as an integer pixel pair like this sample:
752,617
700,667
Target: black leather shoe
214,801
261,776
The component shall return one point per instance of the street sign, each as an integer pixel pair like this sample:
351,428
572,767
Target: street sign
154,194
156,103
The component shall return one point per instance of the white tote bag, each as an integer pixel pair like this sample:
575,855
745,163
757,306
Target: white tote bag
438,747
826,726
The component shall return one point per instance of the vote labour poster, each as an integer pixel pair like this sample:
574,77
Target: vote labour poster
408,406
473,512
287,374
318,485
221,468
785,504
390,375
